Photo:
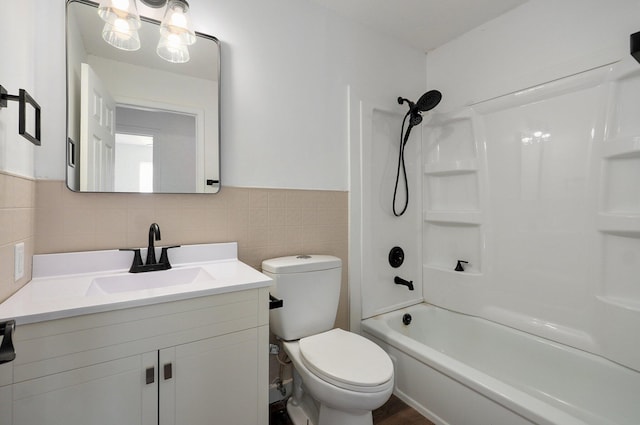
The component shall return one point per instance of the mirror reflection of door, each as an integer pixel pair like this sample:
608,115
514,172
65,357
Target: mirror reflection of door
134,163
97,134
168,140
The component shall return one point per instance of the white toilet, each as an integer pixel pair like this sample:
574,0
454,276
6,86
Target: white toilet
339,377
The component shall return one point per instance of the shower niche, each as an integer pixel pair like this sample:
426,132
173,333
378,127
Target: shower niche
452,196
618,219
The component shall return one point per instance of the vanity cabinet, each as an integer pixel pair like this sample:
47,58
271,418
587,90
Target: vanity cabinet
6,372
197,361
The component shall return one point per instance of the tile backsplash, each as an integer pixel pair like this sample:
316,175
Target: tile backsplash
266,223
17,217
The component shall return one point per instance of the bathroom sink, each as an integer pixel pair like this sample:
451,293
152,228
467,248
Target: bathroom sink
151,280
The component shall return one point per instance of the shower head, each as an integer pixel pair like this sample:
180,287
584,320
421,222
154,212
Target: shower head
427,102
415,119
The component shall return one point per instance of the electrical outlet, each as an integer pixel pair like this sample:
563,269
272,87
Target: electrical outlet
18,266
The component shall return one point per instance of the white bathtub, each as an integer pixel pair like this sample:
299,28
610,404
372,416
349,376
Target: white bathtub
461,370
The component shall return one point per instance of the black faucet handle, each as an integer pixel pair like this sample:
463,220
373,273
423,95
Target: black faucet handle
164,256
459,266
137,258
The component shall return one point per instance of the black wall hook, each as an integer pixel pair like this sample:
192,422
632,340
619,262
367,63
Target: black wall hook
23,98
634,40
7,352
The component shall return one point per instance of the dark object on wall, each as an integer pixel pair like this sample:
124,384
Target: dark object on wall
459,266
400,281
635,45
427,102
23,98
275,302
396,257
7,352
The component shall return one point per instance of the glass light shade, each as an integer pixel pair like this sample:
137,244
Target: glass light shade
121,36
112,11
172,50
177,22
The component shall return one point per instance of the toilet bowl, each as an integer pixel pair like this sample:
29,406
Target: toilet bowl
347,379
339,377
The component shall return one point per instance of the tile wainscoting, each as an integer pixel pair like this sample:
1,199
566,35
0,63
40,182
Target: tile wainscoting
17,218
266,223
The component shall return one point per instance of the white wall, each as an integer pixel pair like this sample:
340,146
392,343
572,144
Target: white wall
286,65
17,71
537,42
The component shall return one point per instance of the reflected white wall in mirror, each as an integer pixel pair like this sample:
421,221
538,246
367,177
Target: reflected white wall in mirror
176,104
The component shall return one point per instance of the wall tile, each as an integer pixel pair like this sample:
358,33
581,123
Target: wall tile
266,223
17,224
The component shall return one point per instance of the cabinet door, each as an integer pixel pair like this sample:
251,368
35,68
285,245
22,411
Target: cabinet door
213,381
6,391
114,392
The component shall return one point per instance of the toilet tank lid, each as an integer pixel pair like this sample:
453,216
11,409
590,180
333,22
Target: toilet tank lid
301,263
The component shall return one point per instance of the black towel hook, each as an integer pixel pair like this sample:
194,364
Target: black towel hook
23,98
7,352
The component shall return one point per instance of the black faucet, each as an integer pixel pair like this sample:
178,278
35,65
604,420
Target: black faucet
400,281
154,234
151,264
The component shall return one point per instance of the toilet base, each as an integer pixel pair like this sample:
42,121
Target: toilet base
306,413
298,414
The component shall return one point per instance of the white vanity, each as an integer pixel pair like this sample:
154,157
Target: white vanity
183,346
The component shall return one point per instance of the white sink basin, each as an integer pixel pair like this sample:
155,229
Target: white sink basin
149,280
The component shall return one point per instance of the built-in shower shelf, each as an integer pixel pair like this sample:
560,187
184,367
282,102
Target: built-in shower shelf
469,218
627,147
451,167
463,274
623,224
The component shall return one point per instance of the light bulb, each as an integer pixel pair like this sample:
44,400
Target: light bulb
176,21
121,4
121,36
112,10
172,49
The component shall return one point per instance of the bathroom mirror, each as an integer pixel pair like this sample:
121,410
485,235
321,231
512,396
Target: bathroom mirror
136,122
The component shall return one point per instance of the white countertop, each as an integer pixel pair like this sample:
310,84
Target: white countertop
64,284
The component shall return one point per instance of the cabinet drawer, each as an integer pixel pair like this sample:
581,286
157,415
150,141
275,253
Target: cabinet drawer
52,347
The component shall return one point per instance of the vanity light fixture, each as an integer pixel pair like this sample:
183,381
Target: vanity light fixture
122,22
176,32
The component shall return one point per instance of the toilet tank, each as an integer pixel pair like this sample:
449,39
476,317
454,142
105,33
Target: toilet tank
309,287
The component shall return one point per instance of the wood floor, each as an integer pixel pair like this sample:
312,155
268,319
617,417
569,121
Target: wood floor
396,412
393,412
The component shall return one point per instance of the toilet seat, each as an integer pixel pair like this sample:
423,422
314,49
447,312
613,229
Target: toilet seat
346,360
